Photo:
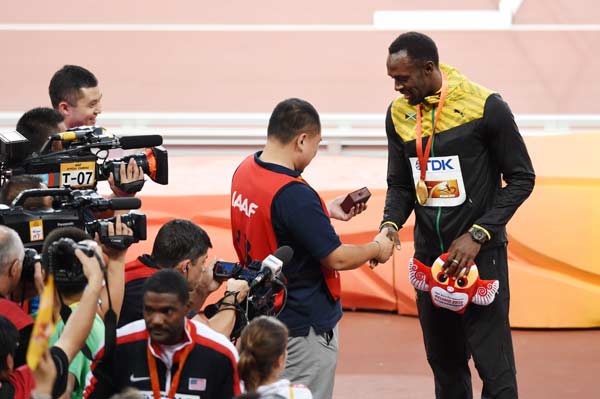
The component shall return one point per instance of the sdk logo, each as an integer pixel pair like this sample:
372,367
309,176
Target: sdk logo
238,201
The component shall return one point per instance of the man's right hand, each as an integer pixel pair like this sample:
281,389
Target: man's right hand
91,267
115,229
386,248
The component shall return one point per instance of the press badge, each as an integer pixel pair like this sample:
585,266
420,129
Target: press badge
444,181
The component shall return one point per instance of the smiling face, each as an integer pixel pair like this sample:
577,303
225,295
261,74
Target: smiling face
85,111
413,79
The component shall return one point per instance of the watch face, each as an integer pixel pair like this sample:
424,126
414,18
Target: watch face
479,236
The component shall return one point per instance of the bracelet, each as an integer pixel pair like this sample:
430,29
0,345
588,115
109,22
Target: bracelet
36,395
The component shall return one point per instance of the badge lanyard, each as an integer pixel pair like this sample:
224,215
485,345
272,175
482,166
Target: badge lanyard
424,156
154,373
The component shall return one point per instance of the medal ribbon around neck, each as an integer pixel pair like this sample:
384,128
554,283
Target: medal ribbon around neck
172,390
424,157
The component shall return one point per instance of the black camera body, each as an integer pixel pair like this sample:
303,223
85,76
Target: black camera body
64,265
136,221
29,261
70,208
261,298
225,270
82,162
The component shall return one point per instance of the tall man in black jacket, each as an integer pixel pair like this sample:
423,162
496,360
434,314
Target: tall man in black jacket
451,142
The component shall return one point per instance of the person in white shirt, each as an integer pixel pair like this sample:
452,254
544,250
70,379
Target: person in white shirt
263,353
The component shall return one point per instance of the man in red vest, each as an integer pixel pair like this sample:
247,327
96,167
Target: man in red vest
272,206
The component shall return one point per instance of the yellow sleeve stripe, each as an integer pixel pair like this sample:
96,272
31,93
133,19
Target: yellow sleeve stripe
390,223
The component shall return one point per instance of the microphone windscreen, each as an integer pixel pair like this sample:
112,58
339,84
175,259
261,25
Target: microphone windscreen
119,204
284,254
150,140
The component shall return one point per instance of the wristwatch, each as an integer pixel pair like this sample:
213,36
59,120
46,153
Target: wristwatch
478,235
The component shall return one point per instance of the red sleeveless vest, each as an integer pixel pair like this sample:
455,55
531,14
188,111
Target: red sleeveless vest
252,191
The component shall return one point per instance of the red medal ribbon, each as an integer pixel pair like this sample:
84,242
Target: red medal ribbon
154,373
424,157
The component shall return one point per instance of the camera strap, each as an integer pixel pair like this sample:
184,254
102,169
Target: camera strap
132,187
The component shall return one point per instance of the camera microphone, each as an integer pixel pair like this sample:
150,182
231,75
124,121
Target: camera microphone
119,204
97,203
150,140
272,265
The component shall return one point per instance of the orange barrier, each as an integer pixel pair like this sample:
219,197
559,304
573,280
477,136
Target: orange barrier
554,278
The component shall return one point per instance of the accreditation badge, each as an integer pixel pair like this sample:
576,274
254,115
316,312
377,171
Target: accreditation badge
443,179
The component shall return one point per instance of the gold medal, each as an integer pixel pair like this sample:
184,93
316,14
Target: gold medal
422,193
423,156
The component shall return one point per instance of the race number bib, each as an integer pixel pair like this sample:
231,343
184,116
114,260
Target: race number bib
78,174
444,181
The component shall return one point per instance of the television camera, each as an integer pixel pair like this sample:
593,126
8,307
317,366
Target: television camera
267,283
79,157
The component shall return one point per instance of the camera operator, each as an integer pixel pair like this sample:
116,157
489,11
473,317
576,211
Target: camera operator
80,322
68,294
37,125
12,254
183,246
17,184
75,94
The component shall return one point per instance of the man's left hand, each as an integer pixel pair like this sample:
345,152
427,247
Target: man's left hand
336,211
462,253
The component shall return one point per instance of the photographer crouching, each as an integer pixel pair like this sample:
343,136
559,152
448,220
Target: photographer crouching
183,246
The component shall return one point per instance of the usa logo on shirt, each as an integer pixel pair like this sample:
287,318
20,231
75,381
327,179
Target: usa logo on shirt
197,384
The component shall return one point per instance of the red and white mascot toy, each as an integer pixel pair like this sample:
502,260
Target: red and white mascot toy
448,292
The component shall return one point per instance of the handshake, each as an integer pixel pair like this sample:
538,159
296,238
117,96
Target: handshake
386,240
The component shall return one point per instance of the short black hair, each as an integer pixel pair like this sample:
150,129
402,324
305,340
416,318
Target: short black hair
66,83
9,339
77,285
168,281
290,117
178,240
16,185
417,45
37,125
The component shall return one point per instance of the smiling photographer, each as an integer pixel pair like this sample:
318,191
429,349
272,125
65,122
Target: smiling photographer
75,94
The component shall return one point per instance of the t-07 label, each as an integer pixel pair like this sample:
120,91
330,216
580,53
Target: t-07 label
78,174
